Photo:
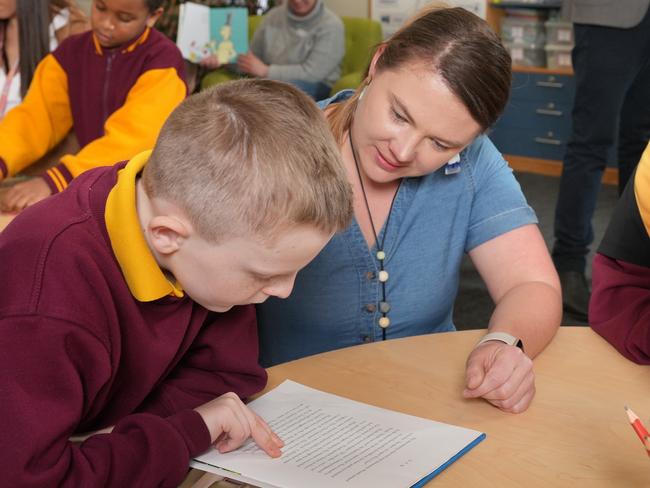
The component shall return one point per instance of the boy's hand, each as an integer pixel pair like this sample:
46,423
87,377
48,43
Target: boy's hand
501,374
252,65
25,194
230,423
210,62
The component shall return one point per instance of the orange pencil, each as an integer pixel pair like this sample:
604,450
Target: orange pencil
646,443
636,424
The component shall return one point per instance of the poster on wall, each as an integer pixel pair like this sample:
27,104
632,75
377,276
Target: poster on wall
391,14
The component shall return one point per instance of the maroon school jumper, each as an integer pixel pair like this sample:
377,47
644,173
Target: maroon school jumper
78,352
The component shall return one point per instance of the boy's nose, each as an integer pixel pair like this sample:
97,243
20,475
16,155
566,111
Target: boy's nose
107,24
281,288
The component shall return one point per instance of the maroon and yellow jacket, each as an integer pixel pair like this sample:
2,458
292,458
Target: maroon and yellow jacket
116,100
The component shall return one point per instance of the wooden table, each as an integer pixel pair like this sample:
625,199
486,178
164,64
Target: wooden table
574,434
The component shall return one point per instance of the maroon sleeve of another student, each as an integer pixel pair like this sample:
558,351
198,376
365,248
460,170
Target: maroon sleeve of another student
619,309
223,358
46,358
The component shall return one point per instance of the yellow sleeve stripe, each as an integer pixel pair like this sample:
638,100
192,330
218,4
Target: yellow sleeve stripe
642,188
56,177
60,178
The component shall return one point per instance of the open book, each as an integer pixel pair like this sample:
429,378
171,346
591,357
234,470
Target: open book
334,441
205,31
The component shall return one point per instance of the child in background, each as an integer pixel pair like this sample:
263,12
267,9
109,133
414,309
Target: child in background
30,29
127,305
619,309
114,85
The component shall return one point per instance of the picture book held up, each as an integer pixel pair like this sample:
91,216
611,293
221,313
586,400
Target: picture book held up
206,31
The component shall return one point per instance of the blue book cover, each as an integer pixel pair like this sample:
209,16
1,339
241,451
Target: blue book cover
229,33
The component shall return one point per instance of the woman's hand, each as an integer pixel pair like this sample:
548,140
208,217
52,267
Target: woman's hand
502,375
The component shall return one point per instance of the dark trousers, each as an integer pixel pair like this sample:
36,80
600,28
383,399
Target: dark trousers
612,74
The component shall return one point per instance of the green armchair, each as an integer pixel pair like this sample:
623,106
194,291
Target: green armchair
361,37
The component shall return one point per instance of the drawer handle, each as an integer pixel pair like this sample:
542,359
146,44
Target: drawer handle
549,84
546,111
549,141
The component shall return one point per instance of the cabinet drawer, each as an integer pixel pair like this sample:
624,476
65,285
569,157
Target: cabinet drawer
541,115
546,88
530,142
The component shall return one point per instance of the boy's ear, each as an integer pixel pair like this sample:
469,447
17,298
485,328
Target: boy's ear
378,52
167,233
153,16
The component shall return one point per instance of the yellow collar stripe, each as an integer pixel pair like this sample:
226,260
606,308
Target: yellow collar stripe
642,188
131,47
143,275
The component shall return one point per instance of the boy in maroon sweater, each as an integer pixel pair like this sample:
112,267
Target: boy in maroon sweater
124,308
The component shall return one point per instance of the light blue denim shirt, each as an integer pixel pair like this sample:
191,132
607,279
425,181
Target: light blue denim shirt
435,220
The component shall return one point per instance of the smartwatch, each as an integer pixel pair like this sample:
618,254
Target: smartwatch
502,337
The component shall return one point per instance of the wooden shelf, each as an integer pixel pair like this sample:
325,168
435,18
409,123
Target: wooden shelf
550,167
514,4
543,71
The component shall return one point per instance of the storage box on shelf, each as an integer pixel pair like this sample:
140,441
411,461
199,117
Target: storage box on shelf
526,54
559,32
516,29
558,56
559,43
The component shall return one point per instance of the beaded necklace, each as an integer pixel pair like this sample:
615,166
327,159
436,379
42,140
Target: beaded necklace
384,306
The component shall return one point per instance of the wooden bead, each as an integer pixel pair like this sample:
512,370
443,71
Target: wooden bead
384,322
381,255
383,276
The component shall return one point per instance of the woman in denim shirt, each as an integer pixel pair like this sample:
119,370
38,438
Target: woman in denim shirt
429,186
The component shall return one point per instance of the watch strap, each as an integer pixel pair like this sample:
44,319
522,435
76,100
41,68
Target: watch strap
502,337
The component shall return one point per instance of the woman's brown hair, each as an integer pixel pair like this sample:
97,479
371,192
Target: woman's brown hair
457,45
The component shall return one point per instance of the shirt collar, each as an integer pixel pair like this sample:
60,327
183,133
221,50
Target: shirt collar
141,271
127,47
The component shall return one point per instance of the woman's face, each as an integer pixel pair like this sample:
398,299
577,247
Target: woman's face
7,9
408,123
301,7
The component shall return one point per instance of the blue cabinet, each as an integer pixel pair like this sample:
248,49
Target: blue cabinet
537,120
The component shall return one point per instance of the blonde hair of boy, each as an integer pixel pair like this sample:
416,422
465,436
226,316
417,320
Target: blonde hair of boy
250,156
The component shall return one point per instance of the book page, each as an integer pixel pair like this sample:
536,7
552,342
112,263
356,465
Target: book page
193,37
334,441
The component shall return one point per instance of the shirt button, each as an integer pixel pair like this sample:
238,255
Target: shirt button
371,307
370,275
366,338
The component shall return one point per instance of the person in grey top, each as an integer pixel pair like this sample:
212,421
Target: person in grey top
301,42
611,61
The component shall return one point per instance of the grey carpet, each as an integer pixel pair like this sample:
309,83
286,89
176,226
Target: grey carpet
474,306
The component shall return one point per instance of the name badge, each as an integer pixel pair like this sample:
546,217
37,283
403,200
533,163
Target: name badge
453,166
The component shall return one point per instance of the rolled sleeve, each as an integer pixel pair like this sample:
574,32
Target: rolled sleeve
499,205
